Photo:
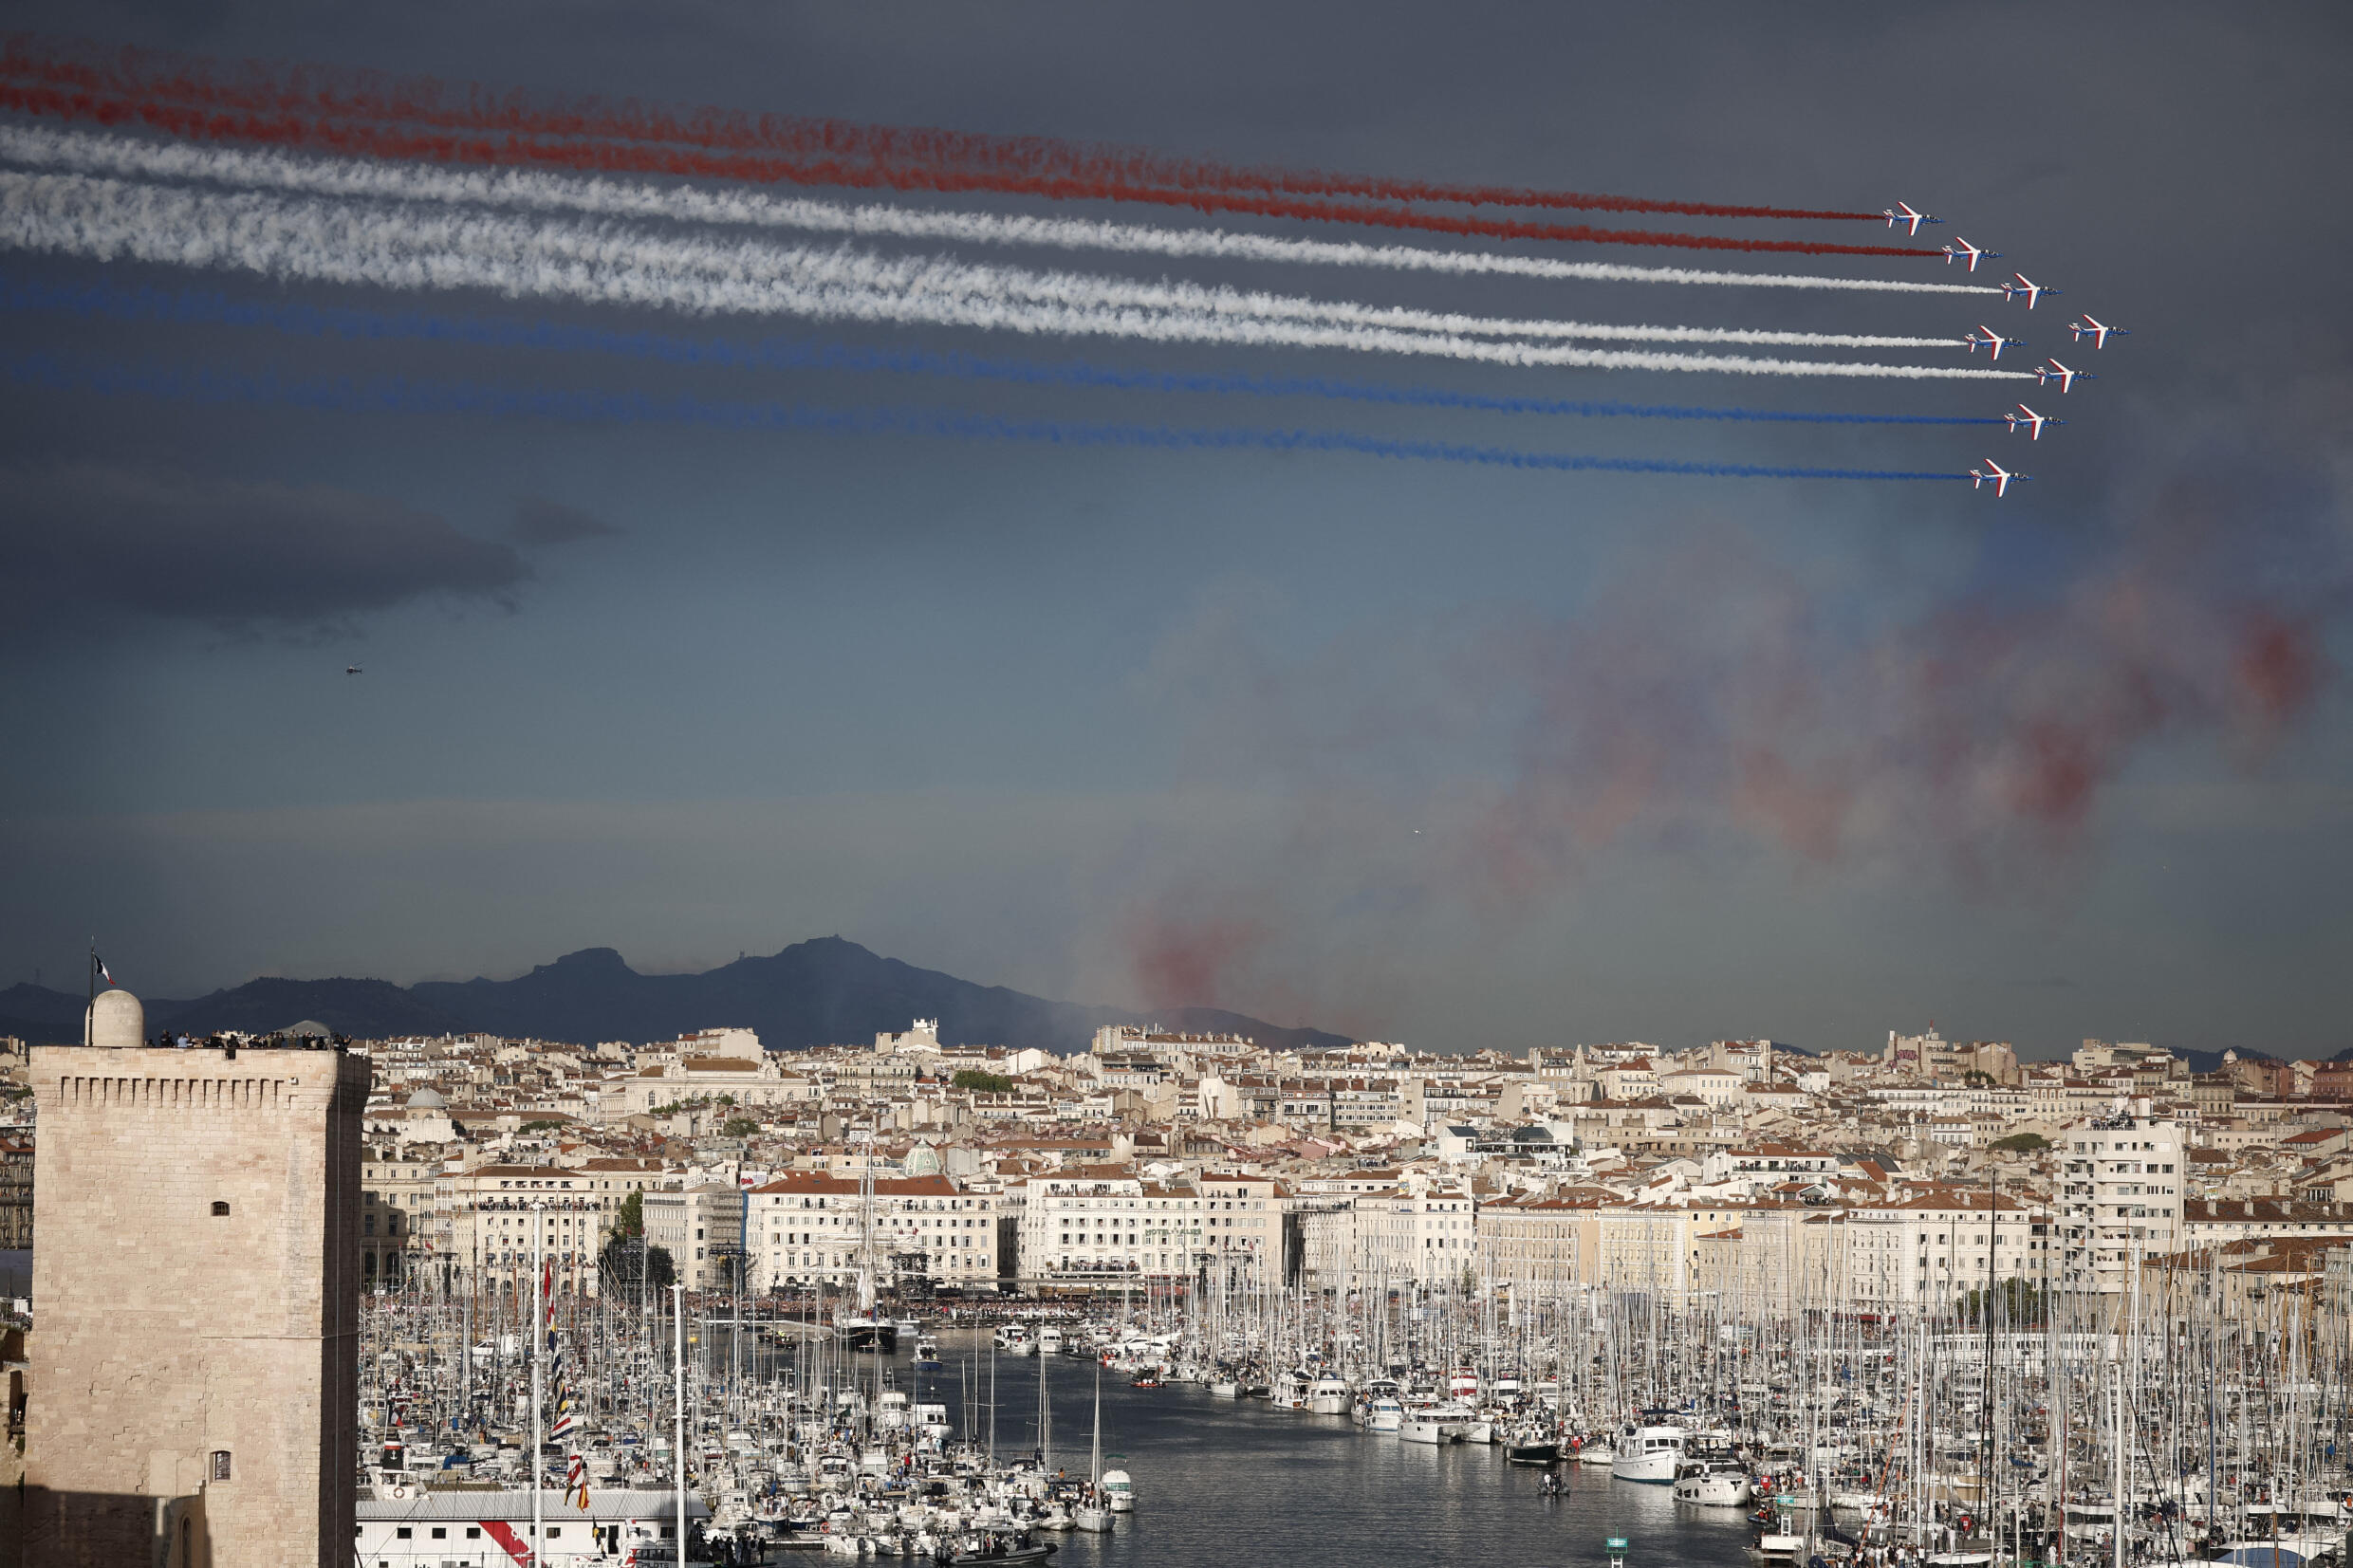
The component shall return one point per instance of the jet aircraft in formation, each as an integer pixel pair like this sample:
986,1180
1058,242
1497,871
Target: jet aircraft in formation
2032,291
2097,330
2054,371
2029,422
1904,212
1995,476
1991,340
1962,247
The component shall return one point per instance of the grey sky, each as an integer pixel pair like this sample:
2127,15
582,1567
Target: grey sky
1688,757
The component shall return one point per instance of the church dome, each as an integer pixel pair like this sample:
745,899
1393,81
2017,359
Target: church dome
116,1020
427,1099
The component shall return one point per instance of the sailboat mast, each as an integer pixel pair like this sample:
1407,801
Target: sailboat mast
539,1358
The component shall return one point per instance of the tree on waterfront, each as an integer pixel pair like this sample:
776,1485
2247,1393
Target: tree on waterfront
631,1220
2020,1303
627,1261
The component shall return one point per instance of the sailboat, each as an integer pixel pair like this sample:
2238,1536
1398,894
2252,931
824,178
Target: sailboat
1094,1509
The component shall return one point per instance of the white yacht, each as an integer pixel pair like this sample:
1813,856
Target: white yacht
1388,1415
1425,1427
1119,1491
1649,1454
1049,1341
1713,1482
1328,1395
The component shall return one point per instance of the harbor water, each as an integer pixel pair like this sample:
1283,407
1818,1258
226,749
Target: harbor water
1218,1478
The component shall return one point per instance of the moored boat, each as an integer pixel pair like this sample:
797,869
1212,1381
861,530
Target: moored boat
1649,1455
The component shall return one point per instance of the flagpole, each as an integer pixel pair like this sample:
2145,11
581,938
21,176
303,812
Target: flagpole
677,1368
539,1364
90,1010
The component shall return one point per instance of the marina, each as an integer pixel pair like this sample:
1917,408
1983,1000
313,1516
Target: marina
1110,1432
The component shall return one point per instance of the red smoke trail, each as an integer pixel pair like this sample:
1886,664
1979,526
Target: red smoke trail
322,92
1189,962
631,158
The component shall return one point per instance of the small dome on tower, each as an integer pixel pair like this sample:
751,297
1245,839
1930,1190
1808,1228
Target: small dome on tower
116,1021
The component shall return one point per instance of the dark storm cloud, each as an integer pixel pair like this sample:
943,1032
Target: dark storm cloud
1540,760
540,521
232,552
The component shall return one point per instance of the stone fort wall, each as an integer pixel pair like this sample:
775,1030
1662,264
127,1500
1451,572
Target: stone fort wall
195,1391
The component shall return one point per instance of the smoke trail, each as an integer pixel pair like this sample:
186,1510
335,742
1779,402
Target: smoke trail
192,307
430,146
191,81
404,248
403,395
515,187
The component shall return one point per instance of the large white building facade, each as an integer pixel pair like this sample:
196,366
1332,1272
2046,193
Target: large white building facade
2121,1181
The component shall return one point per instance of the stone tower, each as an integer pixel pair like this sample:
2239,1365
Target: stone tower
196,1371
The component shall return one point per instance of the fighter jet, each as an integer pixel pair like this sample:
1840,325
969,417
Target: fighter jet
2097,330
1962,247
1995,476
1991,340
2032,291
2067,379
1903,213
2031,423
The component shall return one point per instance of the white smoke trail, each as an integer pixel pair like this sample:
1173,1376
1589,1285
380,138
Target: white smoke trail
90,152
413,248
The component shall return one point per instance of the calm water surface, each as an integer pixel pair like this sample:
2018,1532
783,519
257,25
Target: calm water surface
1218,1480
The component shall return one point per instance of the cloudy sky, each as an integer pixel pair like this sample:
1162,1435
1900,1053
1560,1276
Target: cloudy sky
1462,756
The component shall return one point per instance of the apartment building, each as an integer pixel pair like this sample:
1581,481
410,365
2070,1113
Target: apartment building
808,1229
2121,1193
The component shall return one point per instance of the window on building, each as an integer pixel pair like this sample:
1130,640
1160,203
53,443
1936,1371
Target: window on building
220,1210
220,1464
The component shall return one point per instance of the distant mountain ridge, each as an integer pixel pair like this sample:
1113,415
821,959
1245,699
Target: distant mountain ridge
830,991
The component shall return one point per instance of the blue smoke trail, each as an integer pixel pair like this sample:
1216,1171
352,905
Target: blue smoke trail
402,395
197,308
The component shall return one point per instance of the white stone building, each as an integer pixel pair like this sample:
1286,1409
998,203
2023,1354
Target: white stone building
701,1228
2121,1189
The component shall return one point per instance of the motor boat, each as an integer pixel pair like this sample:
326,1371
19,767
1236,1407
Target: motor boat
986,1555
1713,1482
1118,1491
1387,1415
1532,1445
1428,1426
926,1350
1328,1395
1649,1454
